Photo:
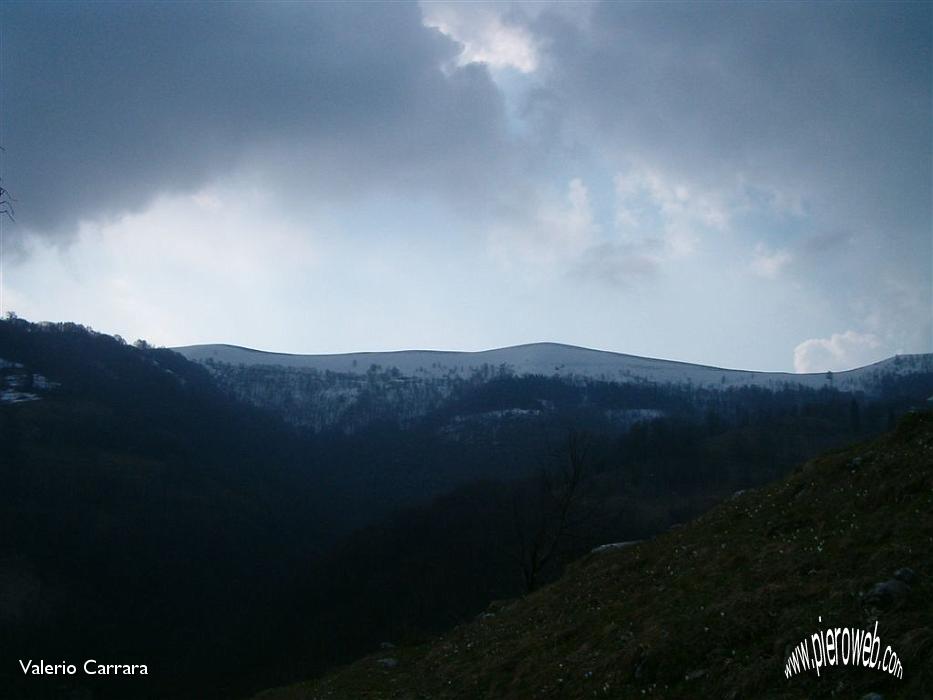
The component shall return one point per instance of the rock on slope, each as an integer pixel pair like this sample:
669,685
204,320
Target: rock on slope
710,609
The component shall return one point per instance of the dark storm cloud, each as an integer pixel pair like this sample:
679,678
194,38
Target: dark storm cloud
824,99
821,109
110,104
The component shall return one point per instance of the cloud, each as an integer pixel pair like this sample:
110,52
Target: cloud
656,220
800,123
172,272
652,205
769,263
110,105
619,265
559,231
841,351
818,111
708,91
485,35
675,201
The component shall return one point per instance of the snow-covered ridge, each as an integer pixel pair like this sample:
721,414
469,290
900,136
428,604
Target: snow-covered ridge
554,359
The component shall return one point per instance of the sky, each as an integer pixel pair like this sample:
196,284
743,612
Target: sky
744,185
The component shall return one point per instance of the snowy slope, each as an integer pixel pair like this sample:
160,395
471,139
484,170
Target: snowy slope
553,359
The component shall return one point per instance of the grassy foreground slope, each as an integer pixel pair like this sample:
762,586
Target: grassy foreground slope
710,609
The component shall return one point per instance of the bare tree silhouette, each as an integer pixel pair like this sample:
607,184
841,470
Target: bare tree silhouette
6,199
6,203
545,518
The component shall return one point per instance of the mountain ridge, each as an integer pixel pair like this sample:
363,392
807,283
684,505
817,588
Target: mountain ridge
195,347
554,359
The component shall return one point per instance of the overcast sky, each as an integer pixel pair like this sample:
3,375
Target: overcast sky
745,185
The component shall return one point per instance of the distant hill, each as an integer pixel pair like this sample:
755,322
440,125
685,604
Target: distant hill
711,609
558,360
350,391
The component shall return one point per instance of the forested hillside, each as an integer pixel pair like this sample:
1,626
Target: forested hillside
146,506
141,510
712,609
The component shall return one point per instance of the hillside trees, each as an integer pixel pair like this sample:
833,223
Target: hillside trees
553,511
